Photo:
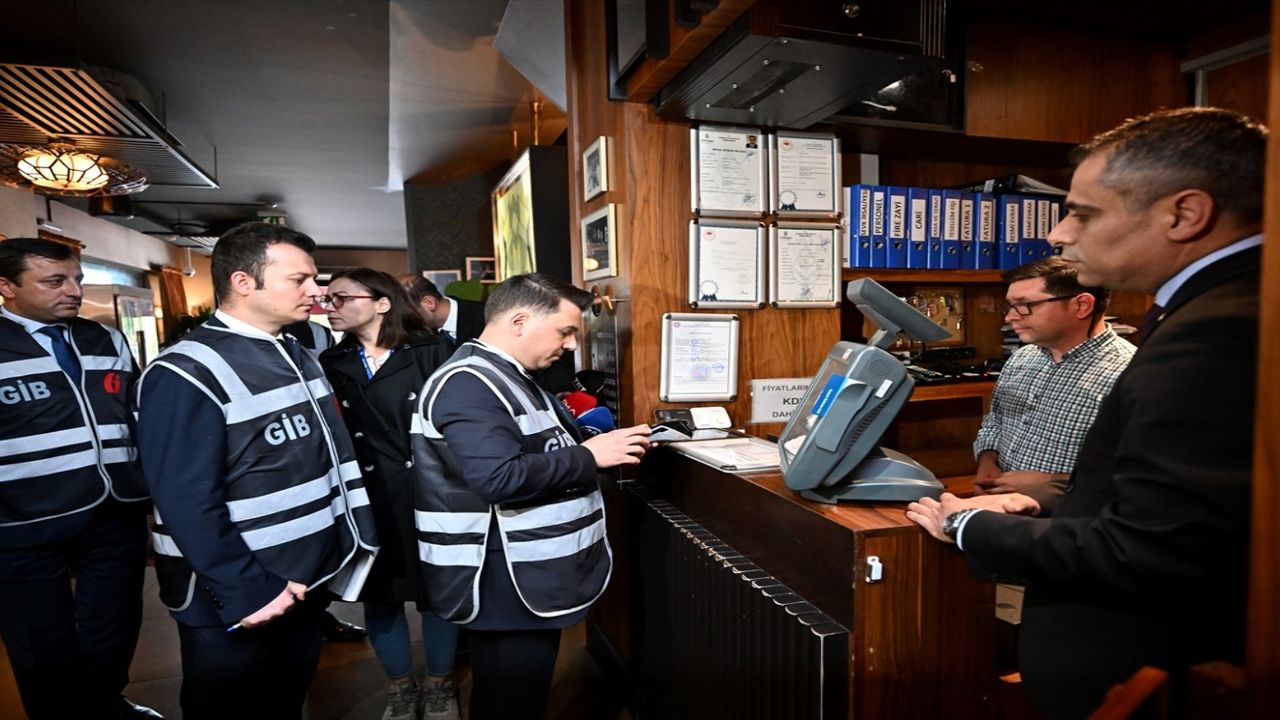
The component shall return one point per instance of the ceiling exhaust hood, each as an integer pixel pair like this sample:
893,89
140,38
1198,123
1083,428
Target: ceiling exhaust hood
788,64
98,111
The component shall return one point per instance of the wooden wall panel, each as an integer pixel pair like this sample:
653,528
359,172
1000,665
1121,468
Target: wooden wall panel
1263,646
1042,83
1241,86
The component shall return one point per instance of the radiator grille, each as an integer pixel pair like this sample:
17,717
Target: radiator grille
721,638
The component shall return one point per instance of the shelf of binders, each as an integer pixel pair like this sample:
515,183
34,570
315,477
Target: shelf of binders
885,275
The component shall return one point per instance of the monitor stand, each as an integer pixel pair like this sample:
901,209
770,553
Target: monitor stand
884,476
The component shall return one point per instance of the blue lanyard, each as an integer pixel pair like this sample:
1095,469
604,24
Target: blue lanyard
369,369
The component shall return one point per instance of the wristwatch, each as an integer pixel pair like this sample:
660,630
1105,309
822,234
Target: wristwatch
951,523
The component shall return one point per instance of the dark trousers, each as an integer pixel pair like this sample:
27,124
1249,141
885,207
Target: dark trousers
262,672
70,646
511,673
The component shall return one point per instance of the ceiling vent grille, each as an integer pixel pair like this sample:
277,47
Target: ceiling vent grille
38,104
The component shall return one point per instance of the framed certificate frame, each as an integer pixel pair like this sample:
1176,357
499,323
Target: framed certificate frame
728,171
699,357
804,175
804,264
726,263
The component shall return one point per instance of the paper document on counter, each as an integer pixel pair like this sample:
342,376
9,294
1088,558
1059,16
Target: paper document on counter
733,454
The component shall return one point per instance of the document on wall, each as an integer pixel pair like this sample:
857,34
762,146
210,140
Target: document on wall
728,171
699,357
728,264
806,174
806,268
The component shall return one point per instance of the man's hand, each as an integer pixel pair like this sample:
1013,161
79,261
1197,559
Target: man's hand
1012,481
988,470
292,594
623,446
929,513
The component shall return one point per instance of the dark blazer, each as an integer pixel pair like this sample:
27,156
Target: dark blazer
377,412
556,379
470,319
1143,561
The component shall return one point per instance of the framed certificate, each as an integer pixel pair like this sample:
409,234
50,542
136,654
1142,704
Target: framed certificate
804,264
726,263
804,177
699,357
728,171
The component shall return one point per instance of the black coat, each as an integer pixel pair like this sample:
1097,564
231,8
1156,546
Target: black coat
377,412
1144,560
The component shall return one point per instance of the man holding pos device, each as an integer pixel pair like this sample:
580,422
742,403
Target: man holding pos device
509,513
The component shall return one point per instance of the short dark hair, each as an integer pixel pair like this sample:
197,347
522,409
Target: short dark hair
1059,279
419,287
15,251
535,291
402,320
1220,152
243,248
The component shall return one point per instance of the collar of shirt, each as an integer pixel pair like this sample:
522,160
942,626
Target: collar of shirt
32,326
1088,347
502,354
1171,285
451,323
243,328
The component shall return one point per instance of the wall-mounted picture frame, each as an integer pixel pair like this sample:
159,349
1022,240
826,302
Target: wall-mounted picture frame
482,268
595,168
804,264
699,357
726,263
600,243
804,174
442,278
728,171
513,221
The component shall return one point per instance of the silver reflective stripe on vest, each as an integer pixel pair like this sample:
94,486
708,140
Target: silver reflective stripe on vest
115,431
555,547
292,497
103,362
548,515
452,523
45,441
164,545
119,455
31,366
290,530
48,466
469,555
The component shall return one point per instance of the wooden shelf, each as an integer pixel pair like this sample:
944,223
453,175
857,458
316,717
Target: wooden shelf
941,277
952,391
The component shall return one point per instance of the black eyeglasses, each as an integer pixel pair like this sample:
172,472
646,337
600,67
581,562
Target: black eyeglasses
337,301
1024,308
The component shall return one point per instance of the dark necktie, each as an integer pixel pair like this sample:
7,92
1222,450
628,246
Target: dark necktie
296,352
62,351
1149,321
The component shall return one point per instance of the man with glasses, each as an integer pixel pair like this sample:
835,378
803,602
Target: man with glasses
1143,559
1050,388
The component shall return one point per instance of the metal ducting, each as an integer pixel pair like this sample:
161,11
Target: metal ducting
39,103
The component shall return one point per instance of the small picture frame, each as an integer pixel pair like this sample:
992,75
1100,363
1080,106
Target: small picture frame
482,268
600,243
442,278
595,168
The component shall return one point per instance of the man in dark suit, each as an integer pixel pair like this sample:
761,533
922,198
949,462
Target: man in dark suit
1141,561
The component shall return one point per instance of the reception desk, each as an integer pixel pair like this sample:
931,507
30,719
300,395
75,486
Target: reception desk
734,597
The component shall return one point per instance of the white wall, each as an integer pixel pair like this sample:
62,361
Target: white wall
103,239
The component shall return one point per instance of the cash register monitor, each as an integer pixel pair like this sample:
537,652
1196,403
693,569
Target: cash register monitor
830,448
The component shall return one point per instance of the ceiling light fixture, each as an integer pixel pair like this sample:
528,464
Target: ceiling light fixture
60,168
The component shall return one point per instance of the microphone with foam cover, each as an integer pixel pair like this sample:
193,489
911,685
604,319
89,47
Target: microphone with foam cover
579,402
595,421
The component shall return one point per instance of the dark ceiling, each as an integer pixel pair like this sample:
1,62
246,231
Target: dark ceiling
321,107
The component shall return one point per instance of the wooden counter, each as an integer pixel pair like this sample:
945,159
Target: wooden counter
916,643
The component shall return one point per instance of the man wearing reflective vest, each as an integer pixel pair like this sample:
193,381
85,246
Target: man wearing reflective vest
260,512
72,500
509,513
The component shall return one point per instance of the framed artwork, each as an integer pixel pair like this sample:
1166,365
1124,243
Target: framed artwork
600,244
513,221
595,168
482,268
442,278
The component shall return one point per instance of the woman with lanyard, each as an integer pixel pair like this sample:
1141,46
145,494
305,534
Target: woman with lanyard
377,370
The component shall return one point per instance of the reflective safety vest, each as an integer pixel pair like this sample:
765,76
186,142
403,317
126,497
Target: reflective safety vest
292,483
556,552
65,443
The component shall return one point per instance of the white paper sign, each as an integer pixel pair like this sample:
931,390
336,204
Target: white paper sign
774,399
